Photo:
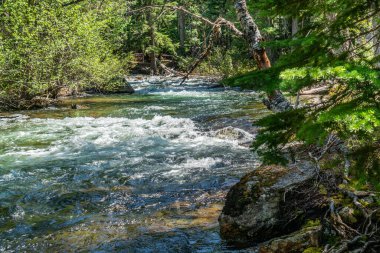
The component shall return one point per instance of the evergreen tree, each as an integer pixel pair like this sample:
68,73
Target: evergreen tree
336,47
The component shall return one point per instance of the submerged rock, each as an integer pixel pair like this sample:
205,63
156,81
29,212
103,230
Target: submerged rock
269,202
232,133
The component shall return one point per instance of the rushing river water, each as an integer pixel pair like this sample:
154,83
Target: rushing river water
125,173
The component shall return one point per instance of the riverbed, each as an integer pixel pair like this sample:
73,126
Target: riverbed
146,172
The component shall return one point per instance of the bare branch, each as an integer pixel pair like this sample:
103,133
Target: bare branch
230,25
219,21
215,33
204,54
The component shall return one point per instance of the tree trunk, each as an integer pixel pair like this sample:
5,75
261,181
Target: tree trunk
251,33
181,30
294,26
152,34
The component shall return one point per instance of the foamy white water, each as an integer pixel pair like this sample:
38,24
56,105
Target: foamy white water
114,165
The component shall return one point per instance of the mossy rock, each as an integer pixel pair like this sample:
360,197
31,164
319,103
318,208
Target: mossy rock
304,240
260,206
313,250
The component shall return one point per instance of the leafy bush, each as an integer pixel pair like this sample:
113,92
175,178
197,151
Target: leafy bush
46,46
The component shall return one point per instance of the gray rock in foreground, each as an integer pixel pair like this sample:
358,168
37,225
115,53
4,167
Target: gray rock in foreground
269,202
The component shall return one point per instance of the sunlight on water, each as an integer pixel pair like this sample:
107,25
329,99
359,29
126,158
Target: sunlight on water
125,171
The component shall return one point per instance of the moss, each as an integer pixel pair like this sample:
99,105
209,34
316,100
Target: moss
313,250
4,211
253,192
363,202
332,163
322,190
357,213
312,223
352,219
341,200
331,239
6,226
269,175
377,200
254,183
359,184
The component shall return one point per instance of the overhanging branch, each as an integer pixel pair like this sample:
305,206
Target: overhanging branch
220,21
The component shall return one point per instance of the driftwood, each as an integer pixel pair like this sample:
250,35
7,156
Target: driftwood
316,91
169,70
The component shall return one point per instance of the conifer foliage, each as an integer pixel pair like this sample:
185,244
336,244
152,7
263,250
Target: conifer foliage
337,47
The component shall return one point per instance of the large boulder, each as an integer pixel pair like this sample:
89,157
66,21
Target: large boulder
269,202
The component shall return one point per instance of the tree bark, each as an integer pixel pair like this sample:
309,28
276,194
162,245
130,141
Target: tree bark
152,34
294,26
181,30
251,33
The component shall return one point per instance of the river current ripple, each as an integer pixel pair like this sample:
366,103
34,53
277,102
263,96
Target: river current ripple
125,173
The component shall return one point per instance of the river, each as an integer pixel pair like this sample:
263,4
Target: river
146,172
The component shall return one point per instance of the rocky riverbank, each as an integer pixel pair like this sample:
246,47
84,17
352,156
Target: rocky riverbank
299,208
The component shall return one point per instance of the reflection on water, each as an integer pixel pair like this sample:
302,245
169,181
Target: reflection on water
147,171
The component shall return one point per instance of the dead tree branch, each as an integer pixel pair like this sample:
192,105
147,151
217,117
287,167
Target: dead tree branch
219,21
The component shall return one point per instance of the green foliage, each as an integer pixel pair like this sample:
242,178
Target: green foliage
264,80
313,250
312,223
138,29
45,46
335,46
223,63
367,165
157,31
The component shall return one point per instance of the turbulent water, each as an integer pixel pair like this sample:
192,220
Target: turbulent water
125,173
